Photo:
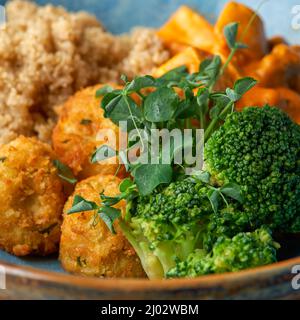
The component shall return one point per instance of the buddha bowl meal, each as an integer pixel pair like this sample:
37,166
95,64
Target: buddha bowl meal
81,175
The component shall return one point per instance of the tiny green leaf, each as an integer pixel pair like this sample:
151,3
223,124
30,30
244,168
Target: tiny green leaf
172,77
109,215
203,176
148,176
104,90
125,184
103,153
109,102
243,85
230,32
82,205
214,198
109,201
64,172
233,95
161,105
186,109
202,96
221,101
204,64
125,109
213,68
233,191
124,78
209,70
139,83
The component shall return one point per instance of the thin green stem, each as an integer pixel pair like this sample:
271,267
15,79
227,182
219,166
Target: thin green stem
212,126
134,123
140,95
225,65
188,124
251,21
224,199
118,170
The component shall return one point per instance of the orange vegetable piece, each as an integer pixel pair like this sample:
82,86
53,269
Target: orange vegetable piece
258,97
175,47
275,41
188,27
290,103
279,68
190,57
283,98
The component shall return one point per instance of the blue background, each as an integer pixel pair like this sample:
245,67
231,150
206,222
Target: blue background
120,15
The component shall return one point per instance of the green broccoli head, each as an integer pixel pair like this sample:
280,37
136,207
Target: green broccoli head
227,222
167,225
259,149
178,231
244,250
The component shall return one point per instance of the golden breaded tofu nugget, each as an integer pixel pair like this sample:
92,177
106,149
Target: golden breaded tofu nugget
31,198
75,135
89,248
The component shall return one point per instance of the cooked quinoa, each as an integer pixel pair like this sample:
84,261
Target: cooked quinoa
47,54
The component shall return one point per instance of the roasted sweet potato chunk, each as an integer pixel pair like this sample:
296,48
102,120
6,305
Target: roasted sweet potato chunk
188,27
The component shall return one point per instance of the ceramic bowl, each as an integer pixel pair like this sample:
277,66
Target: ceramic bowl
269,282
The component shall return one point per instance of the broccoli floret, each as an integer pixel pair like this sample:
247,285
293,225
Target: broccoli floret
259,149
226,222
167,225
178,232
245,250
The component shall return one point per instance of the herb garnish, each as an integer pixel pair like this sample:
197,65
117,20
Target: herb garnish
105,211
175,100
85,121
64,172
162,107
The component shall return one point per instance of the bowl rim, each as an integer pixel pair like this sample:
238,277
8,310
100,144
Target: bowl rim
138,285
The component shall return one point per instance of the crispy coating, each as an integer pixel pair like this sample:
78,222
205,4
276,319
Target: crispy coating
89,248
75,136
31,198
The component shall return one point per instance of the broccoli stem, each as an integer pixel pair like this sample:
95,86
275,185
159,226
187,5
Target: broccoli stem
166,255
149,261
